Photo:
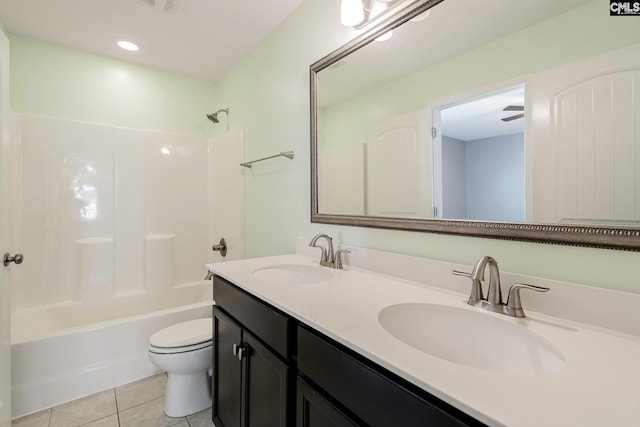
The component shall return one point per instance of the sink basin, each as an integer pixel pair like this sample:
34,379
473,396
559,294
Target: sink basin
293,274
471,338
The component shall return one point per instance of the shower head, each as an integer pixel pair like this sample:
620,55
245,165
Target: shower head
214,116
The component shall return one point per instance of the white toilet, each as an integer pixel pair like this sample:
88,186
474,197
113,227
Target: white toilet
184,351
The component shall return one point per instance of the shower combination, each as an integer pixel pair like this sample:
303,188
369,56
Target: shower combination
288,154
214,116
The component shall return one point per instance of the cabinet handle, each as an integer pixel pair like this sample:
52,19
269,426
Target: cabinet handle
238,350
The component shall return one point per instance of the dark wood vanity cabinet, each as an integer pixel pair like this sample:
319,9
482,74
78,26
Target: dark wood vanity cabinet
250,376
315,410
227,371
365,393
272,371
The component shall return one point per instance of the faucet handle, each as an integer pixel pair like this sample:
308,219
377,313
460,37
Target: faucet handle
461,273
513,299
476,287
338,264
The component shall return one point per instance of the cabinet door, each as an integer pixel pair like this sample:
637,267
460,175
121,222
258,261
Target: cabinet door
265,385
227,371
316,411
369,393
264,321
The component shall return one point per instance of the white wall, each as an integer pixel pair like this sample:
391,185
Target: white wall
5,290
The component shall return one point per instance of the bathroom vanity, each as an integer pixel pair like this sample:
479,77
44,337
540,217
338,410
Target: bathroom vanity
252,359
305,345
272,368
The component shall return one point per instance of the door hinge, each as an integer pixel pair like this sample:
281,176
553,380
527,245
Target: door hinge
433,132
435,212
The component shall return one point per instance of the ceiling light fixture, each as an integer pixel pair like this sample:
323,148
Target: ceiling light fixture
127,45
360,13
351,12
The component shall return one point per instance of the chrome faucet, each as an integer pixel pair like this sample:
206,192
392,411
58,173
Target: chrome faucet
493,302
328,258
494,294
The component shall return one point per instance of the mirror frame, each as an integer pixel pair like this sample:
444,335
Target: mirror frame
608,237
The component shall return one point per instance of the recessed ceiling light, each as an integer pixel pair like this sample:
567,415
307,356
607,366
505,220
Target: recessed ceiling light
127,45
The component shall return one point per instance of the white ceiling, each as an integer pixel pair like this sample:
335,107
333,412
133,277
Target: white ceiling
203,40
481,117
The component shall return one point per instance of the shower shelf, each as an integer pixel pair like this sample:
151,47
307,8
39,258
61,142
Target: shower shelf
287,154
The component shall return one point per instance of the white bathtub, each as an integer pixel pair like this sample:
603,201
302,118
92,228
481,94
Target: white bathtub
60,353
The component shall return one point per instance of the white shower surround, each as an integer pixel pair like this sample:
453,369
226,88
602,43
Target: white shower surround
104,212
116,226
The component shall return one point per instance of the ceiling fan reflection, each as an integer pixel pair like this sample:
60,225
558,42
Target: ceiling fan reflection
513,108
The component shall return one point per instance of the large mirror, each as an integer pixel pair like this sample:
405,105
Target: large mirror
513,119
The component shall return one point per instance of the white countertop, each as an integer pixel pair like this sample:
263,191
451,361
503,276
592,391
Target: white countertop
599,386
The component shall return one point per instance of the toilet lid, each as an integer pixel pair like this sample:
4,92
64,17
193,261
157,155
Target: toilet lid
183,334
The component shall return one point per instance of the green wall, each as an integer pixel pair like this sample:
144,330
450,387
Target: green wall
268,93
54,81
592,33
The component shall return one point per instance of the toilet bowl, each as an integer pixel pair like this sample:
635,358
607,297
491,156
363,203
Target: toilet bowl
184,352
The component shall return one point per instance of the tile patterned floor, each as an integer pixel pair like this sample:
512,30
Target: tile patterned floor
138,404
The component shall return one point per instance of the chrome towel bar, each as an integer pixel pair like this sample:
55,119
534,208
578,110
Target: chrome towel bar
287,154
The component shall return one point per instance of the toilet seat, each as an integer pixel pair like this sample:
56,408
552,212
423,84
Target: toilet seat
183,337
176,350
